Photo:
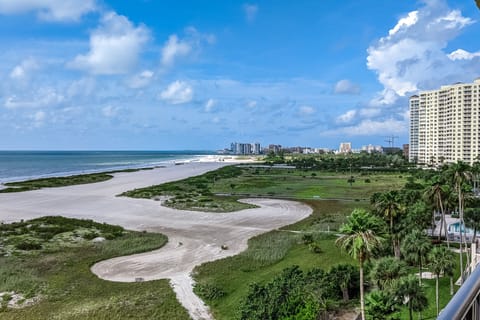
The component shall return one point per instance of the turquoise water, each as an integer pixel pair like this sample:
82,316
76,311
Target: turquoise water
22,165
455,227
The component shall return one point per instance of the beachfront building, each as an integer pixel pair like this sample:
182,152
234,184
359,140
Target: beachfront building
444,124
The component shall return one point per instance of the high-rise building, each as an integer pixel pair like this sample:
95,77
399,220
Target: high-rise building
345,147
444,124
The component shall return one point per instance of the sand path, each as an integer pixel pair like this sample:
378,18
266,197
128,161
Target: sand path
194,237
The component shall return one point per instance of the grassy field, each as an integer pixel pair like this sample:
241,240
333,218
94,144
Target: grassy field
224,283
59,274
62,181
218,191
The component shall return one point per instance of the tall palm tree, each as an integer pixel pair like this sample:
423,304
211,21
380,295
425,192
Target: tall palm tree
361,234
442,260
411,293
435,194
415,248
389,206
461,174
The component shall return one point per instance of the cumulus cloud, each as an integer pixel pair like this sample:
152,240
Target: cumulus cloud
210,104
23,70
176,48
347,117
114,46
346,87
177,92
306,110
461,54
50,10
251,11
141,79
411,57
38,118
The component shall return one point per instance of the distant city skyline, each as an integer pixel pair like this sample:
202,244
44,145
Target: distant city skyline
190,75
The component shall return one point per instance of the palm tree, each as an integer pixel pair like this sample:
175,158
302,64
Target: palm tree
361,235
460,173
411,293
442,260
388,205
435,194
379,305
415,248
386,271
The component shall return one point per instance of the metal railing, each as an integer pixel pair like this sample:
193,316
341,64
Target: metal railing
465,304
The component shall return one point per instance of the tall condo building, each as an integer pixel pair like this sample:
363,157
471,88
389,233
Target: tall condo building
445,124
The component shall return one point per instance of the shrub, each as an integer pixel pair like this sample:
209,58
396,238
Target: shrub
307,238
209,291
367,181
28,244
315,247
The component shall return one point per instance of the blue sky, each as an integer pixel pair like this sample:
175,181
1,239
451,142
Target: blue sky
173,74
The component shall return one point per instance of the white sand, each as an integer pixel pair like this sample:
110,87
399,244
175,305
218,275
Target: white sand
194,237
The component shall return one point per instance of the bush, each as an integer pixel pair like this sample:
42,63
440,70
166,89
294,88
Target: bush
209,291
367,181
28,244
307,238
315,247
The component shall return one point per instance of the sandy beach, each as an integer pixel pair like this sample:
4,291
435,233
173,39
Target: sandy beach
194,237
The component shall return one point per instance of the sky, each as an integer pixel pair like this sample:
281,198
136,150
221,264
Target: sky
198,75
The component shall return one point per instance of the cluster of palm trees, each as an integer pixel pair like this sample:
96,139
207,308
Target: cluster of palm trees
394,233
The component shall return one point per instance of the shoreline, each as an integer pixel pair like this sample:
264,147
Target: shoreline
231,159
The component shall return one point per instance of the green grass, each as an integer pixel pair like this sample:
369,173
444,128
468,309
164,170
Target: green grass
266,256
69,290
62,181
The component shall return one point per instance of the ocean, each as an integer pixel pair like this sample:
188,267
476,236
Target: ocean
24,165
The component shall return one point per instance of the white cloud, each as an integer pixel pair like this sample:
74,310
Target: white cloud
174,48
404,23
177,92
114,46
347,117
346,87
211,103
82,87
45,97
461,54
369,127
412,57
141,79
51,10
23,70
251,11
306,110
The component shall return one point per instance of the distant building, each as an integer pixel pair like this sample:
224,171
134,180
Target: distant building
345,147
275,148
444,124
371,149
406,150
245,148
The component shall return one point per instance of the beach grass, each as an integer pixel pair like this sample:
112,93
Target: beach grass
59,275
54,182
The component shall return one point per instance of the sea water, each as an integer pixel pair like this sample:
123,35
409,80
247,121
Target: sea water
24,165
